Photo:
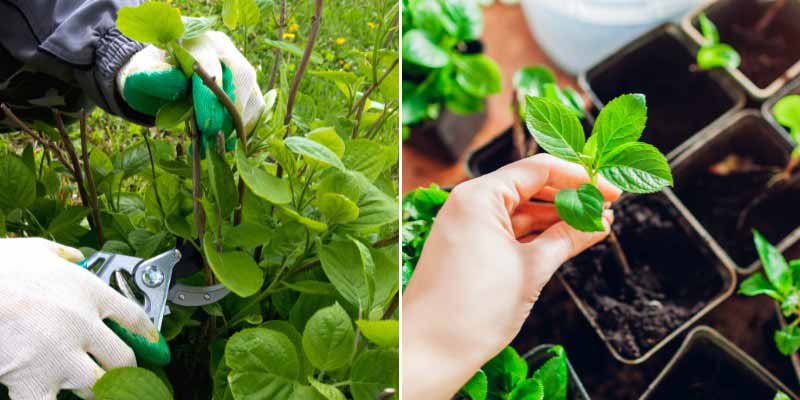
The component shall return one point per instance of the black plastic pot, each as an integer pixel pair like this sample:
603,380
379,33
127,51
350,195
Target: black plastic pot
769,60
717,200
708,366
500,150
678,275
681,102
766,109
447,137
540,354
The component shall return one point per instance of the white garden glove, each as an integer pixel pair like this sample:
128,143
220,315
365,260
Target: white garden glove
151,79
52,335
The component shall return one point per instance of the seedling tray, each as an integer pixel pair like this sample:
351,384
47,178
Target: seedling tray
681,103
540,354
708,366
678,275
769,61
718,200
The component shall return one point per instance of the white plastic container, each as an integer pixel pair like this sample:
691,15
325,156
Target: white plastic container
576,34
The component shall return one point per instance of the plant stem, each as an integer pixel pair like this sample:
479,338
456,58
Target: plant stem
39,138
76,166
359,107
517,133
90,180
277,52
769,16
619,254
208,80
153,171
199,214
316,19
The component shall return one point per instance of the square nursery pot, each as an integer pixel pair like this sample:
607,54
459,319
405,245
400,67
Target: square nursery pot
770,59
540,354
708,366
678,274
680,102
766,109
730,205
448,136
500,151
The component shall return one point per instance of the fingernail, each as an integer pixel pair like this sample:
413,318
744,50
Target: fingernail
608,216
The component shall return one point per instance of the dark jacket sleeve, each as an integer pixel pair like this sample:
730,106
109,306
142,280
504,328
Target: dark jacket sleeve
74,40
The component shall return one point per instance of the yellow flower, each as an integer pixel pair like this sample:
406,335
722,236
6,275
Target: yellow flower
371,25
287,35
340,40
293,27
341,62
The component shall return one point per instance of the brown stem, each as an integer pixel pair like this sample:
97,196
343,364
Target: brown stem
517,133
392,307
39,138
769,16
619,254
359,107
73,156
199,214
277,52
316,19
208,80
153,172
87,167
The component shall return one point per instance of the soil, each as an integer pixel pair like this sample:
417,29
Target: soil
669,283
765,55
680,102
776,215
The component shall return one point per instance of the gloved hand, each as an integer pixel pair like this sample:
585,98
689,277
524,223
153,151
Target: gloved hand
52,334
151,79
489,254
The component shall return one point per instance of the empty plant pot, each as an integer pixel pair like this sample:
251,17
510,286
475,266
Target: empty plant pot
677,275
540,354
770,57
722,180
707,366
681,102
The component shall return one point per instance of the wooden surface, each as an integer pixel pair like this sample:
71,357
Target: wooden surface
508,41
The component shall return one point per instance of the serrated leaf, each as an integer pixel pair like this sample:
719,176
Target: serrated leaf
372,372
18,186
327,137
505,371
775,265
137,23
329,338
196,26
621,121
264,364
637,168
553,375
530,389
329,392
788,339
477,387
582,209
343,264
555,128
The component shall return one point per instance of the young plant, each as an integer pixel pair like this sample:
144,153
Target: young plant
781,396
437,70
780,281
506,377
419,210
787,113
613,151
538,81
712,53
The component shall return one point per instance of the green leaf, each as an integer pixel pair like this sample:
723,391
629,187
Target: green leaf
582,209
64,228
240,12
720,55
346,183
223,186
637,168
477,387
328,137
306,369
309,223
788,339
117,247
173,113
709,30
756,285
313,151
343,264
196,26
478,75
790,303
553,375
775,266
138,24
555,128
246,234
312,287
337,208
185,59
505,371
787,112
329,338
329,392
18,186
781,396
372,372
529,80
384,333
264,364
467,16
364,156
266,186
234,269
291,49
420,50
529,389
621,121
130,384
376,208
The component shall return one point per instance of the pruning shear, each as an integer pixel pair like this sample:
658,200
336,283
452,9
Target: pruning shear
152,283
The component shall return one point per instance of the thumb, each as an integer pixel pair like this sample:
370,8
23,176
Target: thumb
561,242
